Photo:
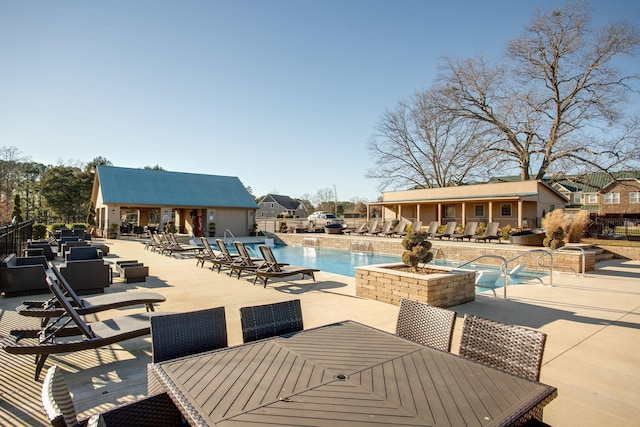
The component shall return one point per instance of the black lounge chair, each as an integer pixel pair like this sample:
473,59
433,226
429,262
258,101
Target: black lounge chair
272,268
89,335
51,309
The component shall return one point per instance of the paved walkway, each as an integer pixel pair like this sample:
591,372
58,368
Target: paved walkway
592,322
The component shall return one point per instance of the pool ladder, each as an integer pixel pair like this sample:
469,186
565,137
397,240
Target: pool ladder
225,238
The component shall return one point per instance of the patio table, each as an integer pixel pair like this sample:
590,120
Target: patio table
345,374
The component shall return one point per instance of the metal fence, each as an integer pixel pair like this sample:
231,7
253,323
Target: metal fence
602,227
13,238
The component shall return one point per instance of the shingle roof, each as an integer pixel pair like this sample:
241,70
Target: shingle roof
284,201
126,186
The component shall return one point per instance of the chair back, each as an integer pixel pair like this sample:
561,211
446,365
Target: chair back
56,399
66,287
360,228
207,247
270,320
226,255
433,227
387,226
492,229
425,324
182,334
451,227
470,228
71,312
373,226
510,348
270,262
416,227
243,255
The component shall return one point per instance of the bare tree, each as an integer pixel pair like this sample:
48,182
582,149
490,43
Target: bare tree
422,144
324,200
559,103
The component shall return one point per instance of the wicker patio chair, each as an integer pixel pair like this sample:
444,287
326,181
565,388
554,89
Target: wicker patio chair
182,334
425,324
510,348
270,320
151,411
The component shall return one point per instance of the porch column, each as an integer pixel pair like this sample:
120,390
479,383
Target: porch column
520,203
464,213
439,213
490,211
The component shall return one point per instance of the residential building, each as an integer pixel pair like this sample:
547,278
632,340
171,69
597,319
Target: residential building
273,205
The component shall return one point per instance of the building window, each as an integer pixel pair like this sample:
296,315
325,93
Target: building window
505,209
612,198
577,198
479,211
450,211
592,199
634,197
273,205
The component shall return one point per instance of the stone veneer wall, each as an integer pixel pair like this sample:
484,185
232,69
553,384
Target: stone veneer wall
624,252
563,260
445,289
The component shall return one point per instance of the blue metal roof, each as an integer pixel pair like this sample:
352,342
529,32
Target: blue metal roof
126,186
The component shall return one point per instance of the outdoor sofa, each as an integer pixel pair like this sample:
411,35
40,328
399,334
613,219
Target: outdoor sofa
23,275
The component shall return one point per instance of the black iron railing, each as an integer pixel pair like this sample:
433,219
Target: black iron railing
13,238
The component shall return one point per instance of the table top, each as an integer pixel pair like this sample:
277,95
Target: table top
345,374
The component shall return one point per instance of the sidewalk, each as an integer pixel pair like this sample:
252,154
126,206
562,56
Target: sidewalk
592,322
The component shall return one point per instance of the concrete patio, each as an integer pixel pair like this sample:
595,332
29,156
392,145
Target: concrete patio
592,322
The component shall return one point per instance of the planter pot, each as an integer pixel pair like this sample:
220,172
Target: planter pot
333,229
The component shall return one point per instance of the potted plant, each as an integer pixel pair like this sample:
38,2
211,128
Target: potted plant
212,229
253,229
113,232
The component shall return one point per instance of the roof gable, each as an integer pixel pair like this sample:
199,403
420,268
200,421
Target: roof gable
284,201
128,186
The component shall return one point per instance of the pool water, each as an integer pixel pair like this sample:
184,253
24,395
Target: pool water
324,259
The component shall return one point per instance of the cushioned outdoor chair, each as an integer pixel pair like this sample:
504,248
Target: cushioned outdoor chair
271,320
385,228
468,233
89,335
372,227
183,334
51,309
448,231
432,229
491,233
510,348
23,275
360,230
416,227
152,411
271,268
425,324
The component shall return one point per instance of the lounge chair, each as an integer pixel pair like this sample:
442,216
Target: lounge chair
244,261
271,320
433,228
402,225
50,309
157,410
416,227
491,233
223,258
360,230
385,228
372,227
468,233
272,268
90,335
207,254
175,246
448,231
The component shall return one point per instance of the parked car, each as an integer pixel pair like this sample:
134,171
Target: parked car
320,219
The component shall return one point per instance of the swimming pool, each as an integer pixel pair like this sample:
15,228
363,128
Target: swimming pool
324,259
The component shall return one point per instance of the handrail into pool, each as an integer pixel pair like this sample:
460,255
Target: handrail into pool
224,238
503,268
583,256
545,253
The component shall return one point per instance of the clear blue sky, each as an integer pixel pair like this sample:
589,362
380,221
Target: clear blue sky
283,94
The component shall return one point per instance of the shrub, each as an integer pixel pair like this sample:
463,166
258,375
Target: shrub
79,225
417,249
38,231
505,232
555,222
578,224
57,226
482,227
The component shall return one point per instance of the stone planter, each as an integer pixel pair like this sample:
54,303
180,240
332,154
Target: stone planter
387,283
